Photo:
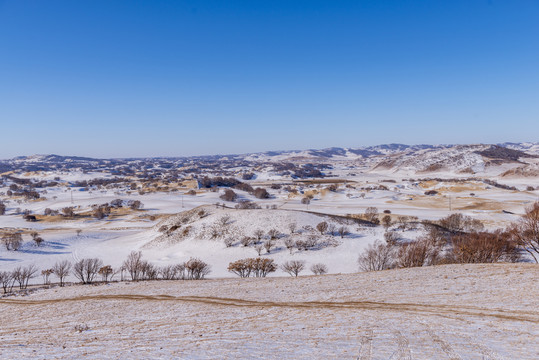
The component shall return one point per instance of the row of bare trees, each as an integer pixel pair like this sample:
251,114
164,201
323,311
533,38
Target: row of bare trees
140,269
87,271
261,267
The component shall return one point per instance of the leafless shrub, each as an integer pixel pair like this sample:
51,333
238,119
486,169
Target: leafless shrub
68,212
403,222
135,204
289,243
258,248
322,227
412,254
484,247
268,245
371,214
332,229
319,269
258,234
273,234
229,195
169,272
81,327
386,221
461,223
292,227
343,231
12,240
377,256
293,267
246,241
391,238
197,269
261,193
229,241
224,220
61,269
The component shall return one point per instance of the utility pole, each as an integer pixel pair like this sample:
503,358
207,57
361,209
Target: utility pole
449,202
71,197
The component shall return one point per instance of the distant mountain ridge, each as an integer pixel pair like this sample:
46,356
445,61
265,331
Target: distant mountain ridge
512,159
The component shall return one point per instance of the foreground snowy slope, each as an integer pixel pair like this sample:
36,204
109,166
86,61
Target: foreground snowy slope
442,312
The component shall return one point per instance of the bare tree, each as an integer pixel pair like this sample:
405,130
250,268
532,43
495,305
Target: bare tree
268,245
246,241
169,272
106,272
61,270
319,269
322,227
293,267
273,234
7,280
86,269
258,234
289,243
12,240
332,229
23,275
377,256
197,269
259,248
241,267
46,276
526,232
133,264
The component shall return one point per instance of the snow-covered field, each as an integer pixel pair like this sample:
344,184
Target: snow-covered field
442,312
111,239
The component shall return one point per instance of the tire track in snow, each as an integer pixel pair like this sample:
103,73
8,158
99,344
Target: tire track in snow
403,352
527,316
365,349
446,348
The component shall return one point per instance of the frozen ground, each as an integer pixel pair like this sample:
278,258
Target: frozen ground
442,312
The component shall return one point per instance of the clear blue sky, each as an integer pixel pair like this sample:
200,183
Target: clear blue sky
148,78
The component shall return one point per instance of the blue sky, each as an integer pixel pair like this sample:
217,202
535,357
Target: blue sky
174,78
